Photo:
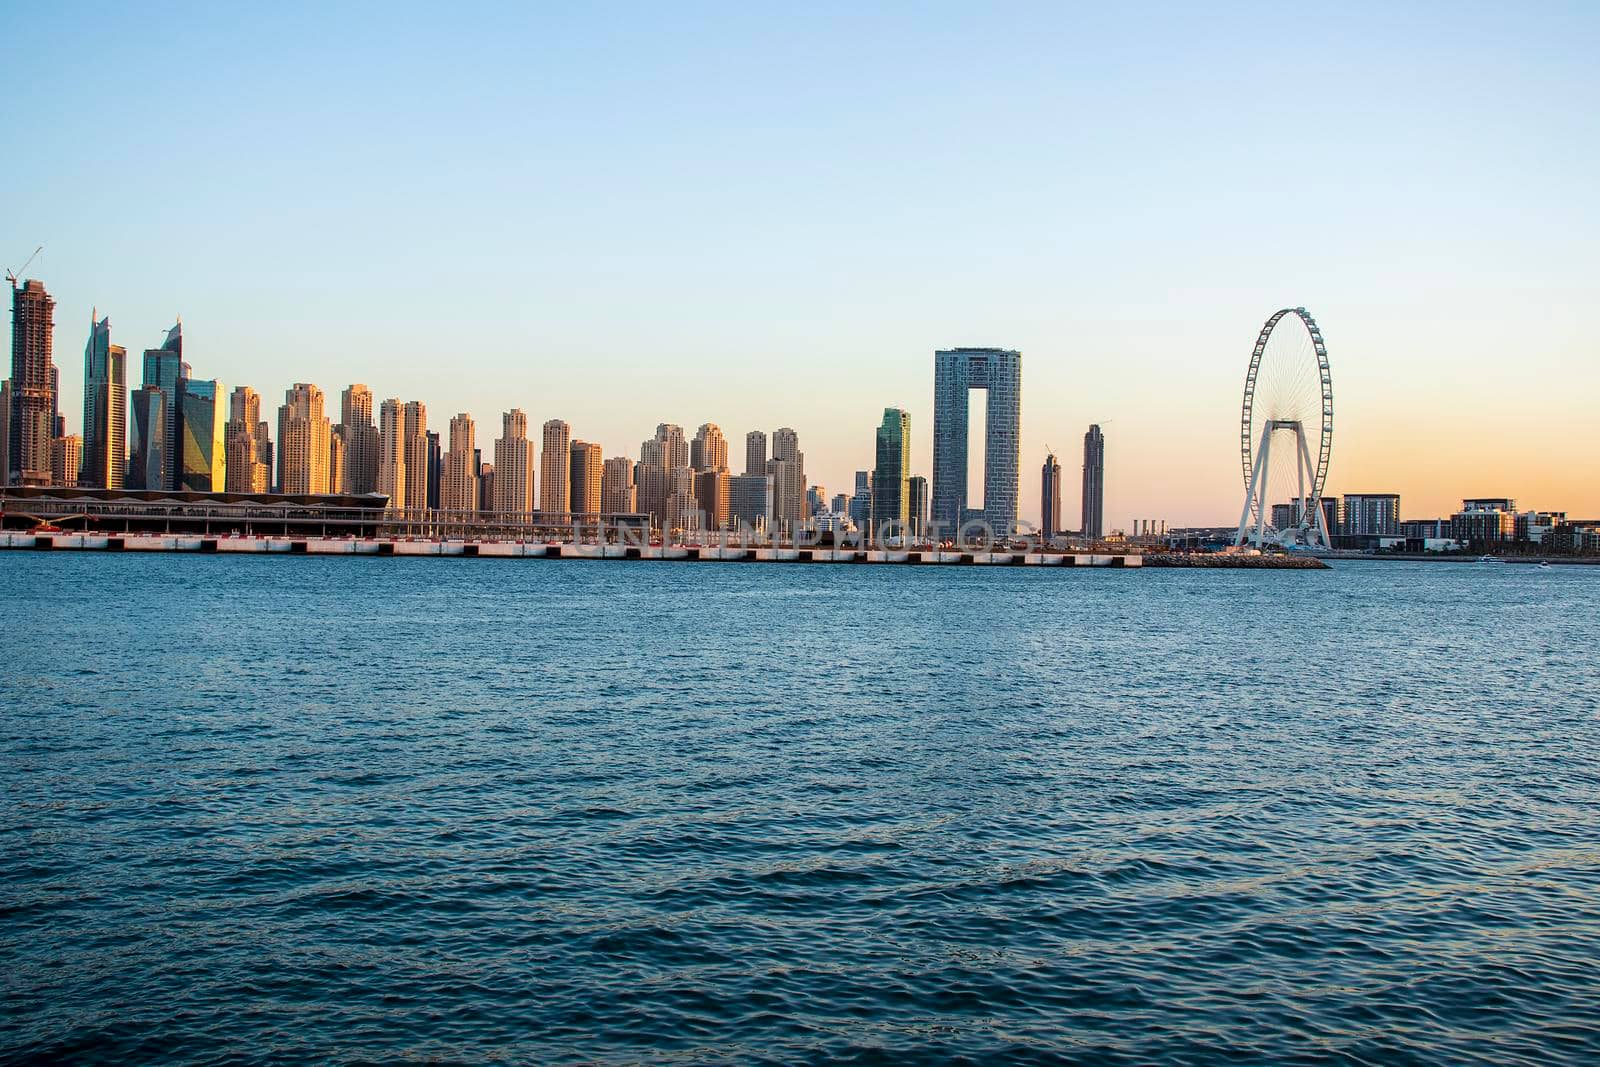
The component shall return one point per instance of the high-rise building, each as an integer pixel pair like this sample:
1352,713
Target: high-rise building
66,457
957,373
303,449
5,432
513,464
414,431
105,409
750,501
861,501
361,440
712,492
392,453
1094,483
164,368
458,489
202,418
147,439
31,435
755,453
709,450
788,469
659,457
337,464
485,485
683,509
555,468
245,443
891,511
674,448
1371,514
840,505
917,489
586,478
1050,498
618,494
435,468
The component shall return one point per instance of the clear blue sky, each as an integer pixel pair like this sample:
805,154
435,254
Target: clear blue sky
759,216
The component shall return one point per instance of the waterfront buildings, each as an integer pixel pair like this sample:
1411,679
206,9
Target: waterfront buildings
201,460
414,445
361,440
392,453
1485,521
750,501
861,502
788,469
1094,483
586,478
435,468
1050,498
246,445
755,452
713,490
618,494
105,409
957,374
917,507
164,368
1370,515
555,468
336,461
66,457
485,484
33,417
709,449
458,486
891,511
513,464
5,432
304,452
147,439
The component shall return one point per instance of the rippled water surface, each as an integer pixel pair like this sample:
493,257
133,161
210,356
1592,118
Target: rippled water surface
325,809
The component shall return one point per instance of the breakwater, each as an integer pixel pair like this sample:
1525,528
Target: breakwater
489,549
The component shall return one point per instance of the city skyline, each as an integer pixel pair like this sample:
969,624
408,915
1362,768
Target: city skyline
721,272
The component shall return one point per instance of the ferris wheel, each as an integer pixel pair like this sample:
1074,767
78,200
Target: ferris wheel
1288,418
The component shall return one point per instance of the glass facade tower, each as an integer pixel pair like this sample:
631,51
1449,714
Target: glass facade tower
956,373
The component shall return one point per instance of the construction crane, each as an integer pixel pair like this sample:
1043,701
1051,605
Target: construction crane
14,276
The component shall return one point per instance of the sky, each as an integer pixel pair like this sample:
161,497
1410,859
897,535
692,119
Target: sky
761,216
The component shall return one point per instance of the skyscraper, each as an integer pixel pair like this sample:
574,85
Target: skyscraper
392,453
513,464
435,468
709,450
414,432
618,495
33,417
750,501
1050,498
66,456
555,468
202,417
147,439
957,372
303,450
755,452
164,367
712,493
788,469
244,441
861,501
458,488
5,432
105,409
917,487
585,477
1094,483
361,440
336,460
890,499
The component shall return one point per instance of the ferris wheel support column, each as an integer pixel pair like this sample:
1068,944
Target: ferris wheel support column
1257,487
1318,524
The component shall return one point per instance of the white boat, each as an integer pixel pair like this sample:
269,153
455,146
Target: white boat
1490,559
